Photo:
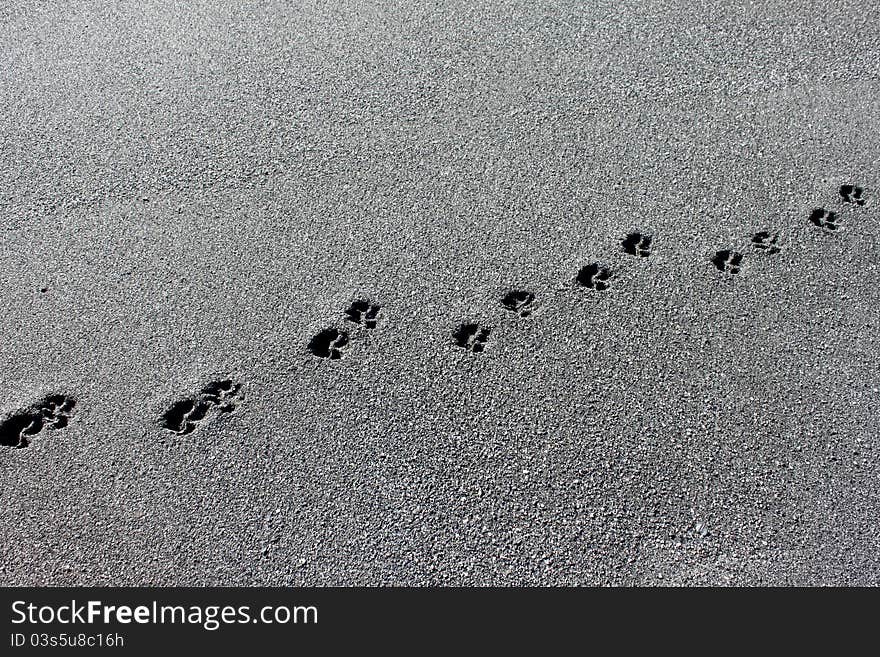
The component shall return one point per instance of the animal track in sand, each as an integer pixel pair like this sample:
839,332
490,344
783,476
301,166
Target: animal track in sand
825,219
51,412
363,312
637,244
520,302
852,194
330,343
766,242
471,337
186,415
595,276
727,261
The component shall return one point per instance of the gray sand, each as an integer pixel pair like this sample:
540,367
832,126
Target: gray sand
200,191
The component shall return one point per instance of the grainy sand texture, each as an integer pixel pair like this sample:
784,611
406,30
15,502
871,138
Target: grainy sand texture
434,293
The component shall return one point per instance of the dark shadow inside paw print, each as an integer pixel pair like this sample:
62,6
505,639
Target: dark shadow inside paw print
175,418
766,242
520,302
594,276
637,244
471,337
16,430
329,343
727,261
852,194
363,312
52,412
824,219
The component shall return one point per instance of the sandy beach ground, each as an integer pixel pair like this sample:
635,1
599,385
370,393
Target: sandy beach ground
254,259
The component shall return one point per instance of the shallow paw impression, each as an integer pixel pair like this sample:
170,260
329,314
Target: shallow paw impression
594,276
471,337
825,219
852,194
766,242
186,415
52,412
637,244
727,261
520,302
329,343
363,312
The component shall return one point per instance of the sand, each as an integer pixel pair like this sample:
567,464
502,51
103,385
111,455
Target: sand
190,195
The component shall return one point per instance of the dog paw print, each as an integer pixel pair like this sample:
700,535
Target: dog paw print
186,415
637,244
363,312
852,194
825,219
595,276
727,261
330,343
471,337
51,412
766,242
520,302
